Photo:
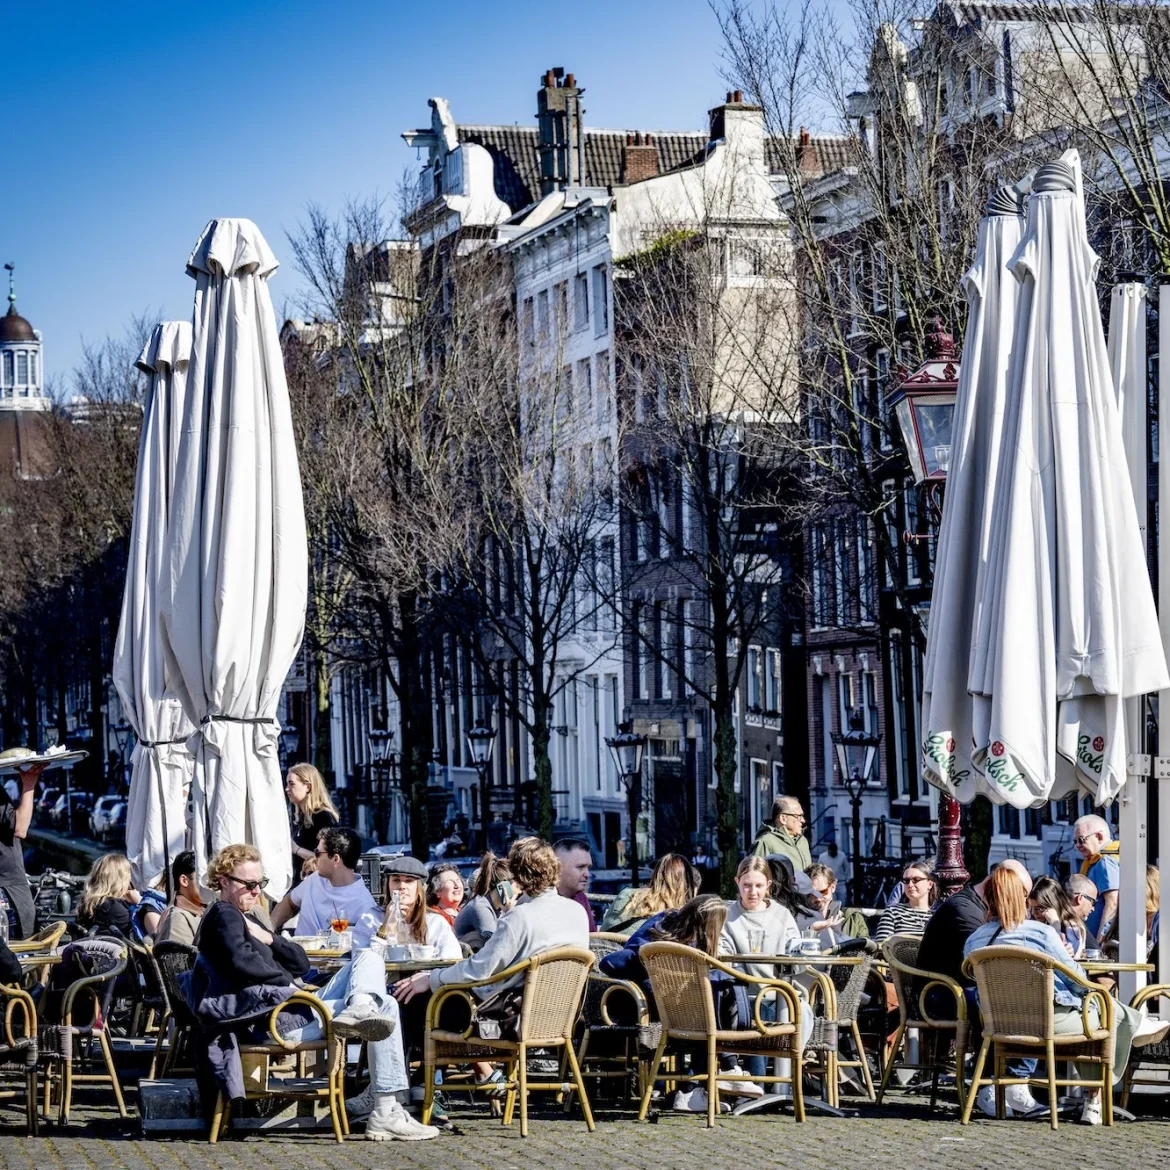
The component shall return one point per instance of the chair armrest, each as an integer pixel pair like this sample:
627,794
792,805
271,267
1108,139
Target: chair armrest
306,999
623,987
944,983
90,983
17,997
1106,1009
498,977
450,991
789,994
1150,991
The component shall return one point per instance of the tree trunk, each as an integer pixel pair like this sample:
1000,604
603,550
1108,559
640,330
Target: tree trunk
322,715
542,774
727,820
978,824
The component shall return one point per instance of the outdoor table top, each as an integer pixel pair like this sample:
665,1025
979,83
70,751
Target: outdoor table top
1110,966
331,959
798,960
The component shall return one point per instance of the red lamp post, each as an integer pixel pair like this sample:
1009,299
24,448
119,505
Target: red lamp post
924,405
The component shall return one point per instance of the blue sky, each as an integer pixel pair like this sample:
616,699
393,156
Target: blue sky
129,125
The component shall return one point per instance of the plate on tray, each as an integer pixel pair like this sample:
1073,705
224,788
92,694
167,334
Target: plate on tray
49,759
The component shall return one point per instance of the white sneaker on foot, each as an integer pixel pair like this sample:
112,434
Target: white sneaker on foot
695,1101
1091,1110
389,1122
1019,1099
361,1106
985,1102
739,1088
1150,1030
365,1021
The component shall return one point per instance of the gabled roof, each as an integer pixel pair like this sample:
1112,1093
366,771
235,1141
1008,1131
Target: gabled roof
515,151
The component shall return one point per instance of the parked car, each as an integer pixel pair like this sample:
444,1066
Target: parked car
71,812
45,802
116,825
100,817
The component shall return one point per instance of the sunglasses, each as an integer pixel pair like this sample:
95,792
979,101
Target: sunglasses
1084,840
913,881
251,887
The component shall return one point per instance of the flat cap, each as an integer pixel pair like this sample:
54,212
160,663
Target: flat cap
406,865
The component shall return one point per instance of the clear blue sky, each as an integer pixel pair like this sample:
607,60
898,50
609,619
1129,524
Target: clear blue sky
129,125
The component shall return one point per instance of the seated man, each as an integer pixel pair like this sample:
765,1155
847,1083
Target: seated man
180,922
941,950
244,971
1083,895
333,893
540,922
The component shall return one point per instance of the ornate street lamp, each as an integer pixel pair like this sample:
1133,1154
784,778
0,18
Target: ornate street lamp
626,748
924,405
481,742
124,738
856,752
381,741
290,738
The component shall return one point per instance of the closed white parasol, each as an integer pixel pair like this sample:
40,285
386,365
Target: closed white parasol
234,608
161,765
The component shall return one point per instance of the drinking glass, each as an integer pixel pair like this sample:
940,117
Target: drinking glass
756,941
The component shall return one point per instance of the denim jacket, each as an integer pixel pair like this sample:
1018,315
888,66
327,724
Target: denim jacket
1036,936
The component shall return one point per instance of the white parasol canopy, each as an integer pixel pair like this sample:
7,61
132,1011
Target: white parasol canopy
161,765
234,610
961,554
1070,613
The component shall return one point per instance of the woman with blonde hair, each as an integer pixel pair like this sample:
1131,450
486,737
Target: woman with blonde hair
673,883
312,811
1009,924
108,902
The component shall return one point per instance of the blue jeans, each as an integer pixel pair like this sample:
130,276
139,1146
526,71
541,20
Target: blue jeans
365,974
941,1004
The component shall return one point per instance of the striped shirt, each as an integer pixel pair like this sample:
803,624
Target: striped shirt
900,919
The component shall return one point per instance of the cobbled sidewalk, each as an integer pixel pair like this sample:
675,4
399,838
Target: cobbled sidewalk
903,1136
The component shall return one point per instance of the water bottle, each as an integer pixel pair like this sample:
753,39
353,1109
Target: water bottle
399,933
3,918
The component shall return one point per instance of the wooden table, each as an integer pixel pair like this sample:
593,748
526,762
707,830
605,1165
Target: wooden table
395,968
1112,966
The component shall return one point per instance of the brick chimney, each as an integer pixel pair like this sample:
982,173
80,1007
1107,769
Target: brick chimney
639,159
807,157
560,131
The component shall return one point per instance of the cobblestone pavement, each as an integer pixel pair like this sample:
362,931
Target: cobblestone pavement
900,1136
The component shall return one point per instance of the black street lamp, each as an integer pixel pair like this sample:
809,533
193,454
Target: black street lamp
626,748
381,741
124,738
481,742
856,752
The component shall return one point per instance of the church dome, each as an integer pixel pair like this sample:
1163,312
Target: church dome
14,327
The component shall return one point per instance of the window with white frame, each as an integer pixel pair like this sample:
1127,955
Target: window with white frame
22,369
600,300
880,278
584,389
561,308
645,650
580,301
543,320
663,640
846,699
608,582
820,577
773,684
841,570
604,389
692,615
881,372
755,678
870,702
528,322
866,572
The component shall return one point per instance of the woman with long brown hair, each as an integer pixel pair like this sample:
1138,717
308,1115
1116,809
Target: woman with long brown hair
492,894
673,883
698,923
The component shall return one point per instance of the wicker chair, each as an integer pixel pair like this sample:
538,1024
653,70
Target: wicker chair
606,942
150,998
68,1041
1157,1055
261,1082
680,978
1016,988
177,1023
616,1030
18,1047
838,1020
912,985
554,984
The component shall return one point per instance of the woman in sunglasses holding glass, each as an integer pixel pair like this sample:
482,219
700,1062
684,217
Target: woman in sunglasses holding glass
912,915
245,970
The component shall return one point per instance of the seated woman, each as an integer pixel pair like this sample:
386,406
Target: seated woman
492,894
824,906
1049,903
911,915
445,892
180,921
1008,924
109,898
673,883
244,971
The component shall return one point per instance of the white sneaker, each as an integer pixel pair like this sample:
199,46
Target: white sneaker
389,1122
361,1106
739,1088
985,1102
1019,1099
1091,1110
1150,1030
695,1101
365,1021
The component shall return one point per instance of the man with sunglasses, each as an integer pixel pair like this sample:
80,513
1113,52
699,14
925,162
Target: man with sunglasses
1102,866
1083,895
784,834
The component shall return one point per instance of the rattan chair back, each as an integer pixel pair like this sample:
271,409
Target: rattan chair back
603,943
553,990
680,978
1015,992
901,954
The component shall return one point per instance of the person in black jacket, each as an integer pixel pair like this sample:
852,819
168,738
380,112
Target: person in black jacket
10,971
250,967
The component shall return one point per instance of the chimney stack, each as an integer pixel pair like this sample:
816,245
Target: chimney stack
560,131
640,158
